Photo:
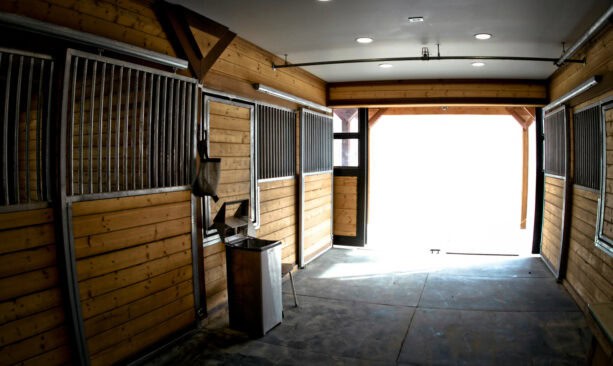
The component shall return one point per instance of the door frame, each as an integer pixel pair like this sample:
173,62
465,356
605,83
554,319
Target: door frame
361,172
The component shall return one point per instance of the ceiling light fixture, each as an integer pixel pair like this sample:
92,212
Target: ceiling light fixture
483,36
416,19
478,64
292,98
385,66
364,40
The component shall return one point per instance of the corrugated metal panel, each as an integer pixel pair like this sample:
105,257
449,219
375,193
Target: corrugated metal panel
554,145
587,147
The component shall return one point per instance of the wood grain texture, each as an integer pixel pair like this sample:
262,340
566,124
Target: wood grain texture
552,220
345,206
131,22
134,269
599,61
436,92
243,64
32,325
278,215
317,215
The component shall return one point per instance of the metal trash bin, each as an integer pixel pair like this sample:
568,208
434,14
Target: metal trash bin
253,270
254,284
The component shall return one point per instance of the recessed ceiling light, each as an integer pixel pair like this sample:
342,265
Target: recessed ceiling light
364,40
483,36
323,1
385,66
416,19
478,64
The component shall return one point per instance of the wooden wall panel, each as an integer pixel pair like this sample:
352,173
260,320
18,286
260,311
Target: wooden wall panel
32,325
599,61
128,21
590,270
437,91
230,133
345,206
552,220
278,215
243,64
317,211
230,140
134,267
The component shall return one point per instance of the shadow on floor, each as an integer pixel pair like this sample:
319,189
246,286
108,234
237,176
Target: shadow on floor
361,307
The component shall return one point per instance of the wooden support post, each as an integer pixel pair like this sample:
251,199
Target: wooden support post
524,178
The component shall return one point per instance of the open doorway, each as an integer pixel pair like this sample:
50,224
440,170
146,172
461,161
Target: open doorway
449,182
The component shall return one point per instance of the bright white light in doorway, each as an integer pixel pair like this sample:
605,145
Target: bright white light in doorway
364,40
385,66
478,64
483,36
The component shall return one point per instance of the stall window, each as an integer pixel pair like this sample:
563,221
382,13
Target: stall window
276,142
587,147
554,127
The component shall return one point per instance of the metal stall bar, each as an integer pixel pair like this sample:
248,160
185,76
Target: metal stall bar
181,137
126,132
147,143
46,186
63,223
141,134
118,130
134,132
27,132
162,139
5,135
169,132
82,126
15,157
301,171
91,129
100,118
155,137
150,134
109,136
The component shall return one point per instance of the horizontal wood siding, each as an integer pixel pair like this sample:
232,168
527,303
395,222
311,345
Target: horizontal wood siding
589,275
278,215
590,270
436,91
128,21
230,140
134,267
345,205
32,317
243,63
599,61
552,220
317,211
230,133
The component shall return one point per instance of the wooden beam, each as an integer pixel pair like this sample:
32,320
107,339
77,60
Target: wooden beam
524,178
372,120
447,110
438,92
518,117
530,111
181,37
177,20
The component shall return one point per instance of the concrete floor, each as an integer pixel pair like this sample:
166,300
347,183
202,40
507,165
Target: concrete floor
361,307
